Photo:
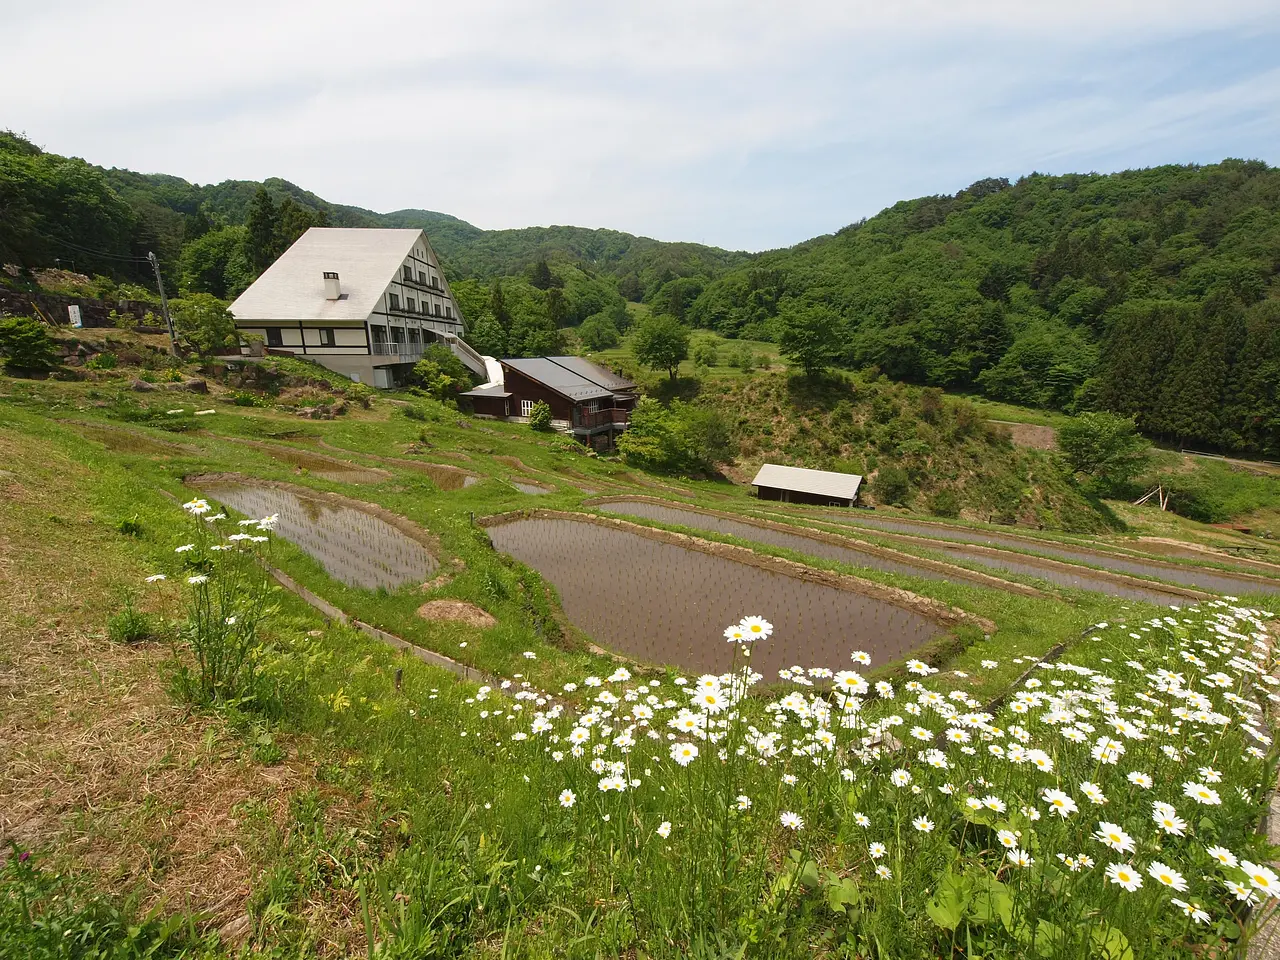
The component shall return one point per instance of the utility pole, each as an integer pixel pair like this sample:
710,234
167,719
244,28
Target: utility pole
164,304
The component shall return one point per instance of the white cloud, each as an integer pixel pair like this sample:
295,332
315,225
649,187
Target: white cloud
746,124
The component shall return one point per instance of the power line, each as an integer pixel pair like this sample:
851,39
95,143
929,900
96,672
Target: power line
97,253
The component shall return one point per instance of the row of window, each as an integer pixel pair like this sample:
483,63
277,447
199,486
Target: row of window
406,271
276,339
412,306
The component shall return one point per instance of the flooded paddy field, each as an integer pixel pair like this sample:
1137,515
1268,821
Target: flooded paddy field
664,603
445,476
1078,578
124,440
353,546
1214,581
530,487
798,542
328,468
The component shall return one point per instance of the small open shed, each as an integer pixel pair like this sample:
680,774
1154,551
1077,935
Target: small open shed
823,488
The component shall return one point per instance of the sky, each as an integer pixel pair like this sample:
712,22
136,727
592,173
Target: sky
749,125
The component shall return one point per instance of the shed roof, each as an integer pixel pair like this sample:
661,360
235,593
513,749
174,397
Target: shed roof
488,390
822,483
365,259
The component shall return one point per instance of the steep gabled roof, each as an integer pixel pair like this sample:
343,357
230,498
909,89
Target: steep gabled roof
292,288
822,483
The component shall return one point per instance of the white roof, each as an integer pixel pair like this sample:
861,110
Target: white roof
366,261
822,483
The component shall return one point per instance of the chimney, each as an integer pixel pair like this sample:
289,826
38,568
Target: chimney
332,288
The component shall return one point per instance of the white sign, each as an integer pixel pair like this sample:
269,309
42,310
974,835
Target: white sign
73,311
355,378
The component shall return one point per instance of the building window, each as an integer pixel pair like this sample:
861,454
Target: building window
394,300
408,271
409,305
379,333
415,337
526,408
437,309
274,339
397,334
326,337
448,311
422,278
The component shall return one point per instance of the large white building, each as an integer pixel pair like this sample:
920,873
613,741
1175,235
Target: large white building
362,302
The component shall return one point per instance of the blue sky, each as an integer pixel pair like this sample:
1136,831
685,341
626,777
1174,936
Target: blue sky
749,125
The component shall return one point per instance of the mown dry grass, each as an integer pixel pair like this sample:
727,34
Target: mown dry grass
99,766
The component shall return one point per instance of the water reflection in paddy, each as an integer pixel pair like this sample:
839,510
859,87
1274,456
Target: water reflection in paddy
354,547
664,603
534,489
777,538
1216,581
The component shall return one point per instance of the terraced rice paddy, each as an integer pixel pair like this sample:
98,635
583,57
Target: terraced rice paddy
444,476
122,440
328,468
663,603
1215,581
354,547
527,486
798,542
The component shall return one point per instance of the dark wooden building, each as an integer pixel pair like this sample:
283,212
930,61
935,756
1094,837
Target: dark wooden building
823,488
587,401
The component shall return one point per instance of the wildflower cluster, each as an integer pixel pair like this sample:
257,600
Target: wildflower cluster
228,600
1126,783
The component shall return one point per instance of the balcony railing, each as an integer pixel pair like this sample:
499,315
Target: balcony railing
405,351
600,418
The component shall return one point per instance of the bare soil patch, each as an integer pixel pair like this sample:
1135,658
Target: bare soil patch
458,611
1032,435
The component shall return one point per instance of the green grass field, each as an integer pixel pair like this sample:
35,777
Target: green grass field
365,803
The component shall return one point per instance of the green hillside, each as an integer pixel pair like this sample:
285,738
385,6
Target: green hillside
1149,292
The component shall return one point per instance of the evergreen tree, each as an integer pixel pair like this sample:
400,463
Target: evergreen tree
541,276
263,225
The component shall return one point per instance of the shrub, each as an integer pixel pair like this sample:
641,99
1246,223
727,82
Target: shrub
102,361
540,417
891,485
681,438
130,625
945,503
25,344
203,321
440,374
705,354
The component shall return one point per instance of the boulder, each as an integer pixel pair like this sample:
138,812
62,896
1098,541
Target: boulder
141,386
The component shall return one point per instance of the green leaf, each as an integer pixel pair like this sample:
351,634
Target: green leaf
1110,943
950,901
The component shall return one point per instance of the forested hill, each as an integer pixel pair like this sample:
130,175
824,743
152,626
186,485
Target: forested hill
1149,292
54,207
